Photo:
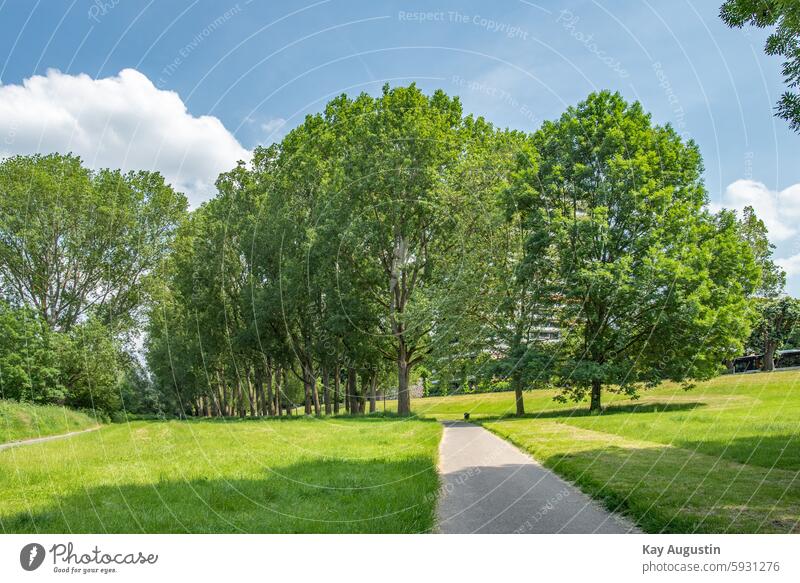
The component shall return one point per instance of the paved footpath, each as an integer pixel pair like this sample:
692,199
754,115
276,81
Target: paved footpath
490,486
43,439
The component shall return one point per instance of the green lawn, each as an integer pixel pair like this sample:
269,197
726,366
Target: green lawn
292,475
24,421
722,457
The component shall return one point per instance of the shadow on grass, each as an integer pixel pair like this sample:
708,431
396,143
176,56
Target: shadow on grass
584,411
667,489
364,418
780,451
336,496
619,409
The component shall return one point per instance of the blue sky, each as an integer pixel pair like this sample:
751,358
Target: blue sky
220,77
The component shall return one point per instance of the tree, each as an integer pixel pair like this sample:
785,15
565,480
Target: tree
775,323
784,15
30,369
73,241
524,279
503,298
406,215
81,368
651,286
91,367
754,232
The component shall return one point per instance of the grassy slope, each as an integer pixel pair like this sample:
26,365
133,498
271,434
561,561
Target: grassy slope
24,421
293,475
722,457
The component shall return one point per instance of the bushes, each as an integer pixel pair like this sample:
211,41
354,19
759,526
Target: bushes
29,358
81,368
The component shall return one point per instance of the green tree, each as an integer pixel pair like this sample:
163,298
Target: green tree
91,367
784,15
651,286
754,232
73,241
524,281
406,215
775,323
29,365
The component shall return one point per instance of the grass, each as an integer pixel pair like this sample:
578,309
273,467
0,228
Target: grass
266,476
722,457
20,421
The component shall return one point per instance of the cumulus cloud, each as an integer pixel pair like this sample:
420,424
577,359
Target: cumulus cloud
791,265
780,210
117,122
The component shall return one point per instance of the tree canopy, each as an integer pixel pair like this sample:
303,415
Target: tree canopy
651,285
387,234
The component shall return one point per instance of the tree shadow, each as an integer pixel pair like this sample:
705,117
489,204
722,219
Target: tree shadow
649,407
376,417
331,496
779,451
674,490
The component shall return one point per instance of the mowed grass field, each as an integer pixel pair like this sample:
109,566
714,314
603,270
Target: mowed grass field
338,475
20,421
722,457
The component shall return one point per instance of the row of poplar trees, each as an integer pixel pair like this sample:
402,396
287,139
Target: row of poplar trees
393,231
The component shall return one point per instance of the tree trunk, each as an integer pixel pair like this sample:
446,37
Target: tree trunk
769,356
326,389
285,391
270,399
349,397
315,394
251,393
307,389
258,391
373,393
336,387
214,390
362,396
403,391
265,378
223,390
596,390
240,398
516,380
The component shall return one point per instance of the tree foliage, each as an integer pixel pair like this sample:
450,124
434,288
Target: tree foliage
776,321
75,242
652,286
382,234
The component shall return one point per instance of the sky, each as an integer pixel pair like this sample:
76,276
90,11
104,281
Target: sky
190,87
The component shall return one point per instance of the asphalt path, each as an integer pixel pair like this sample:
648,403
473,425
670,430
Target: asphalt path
43,439
490,486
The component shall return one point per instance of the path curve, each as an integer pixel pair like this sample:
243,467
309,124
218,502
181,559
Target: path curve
490,486
11,444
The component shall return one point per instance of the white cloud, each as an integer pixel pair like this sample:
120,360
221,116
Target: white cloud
117,122
273,126
791,265
780,210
